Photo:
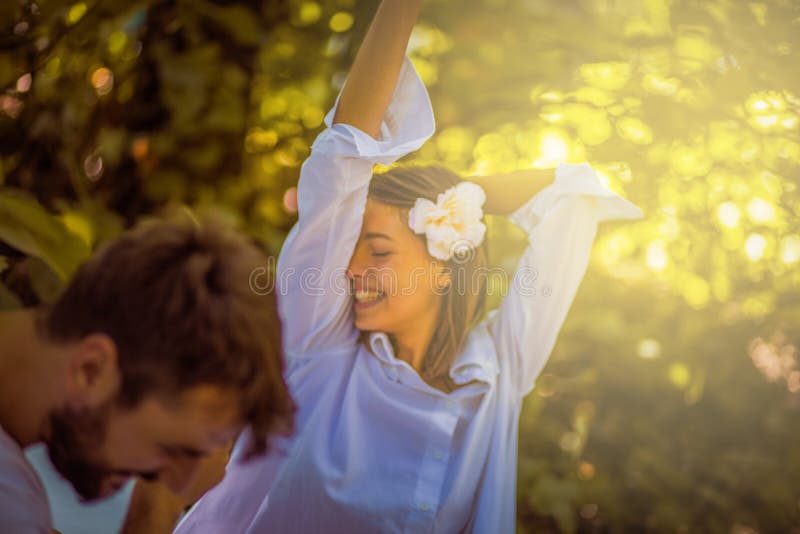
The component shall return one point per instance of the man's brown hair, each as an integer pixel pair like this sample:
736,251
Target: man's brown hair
176,299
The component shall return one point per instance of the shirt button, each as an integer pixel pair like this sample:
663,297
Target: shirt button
449,404
423,506
438,455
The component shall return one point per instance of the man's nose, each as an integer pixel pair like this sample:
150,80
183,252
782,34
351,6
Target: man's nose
178,476
112,484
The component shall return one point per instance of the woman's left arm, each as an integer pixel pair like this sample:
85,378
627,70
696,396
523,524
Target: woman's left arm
561,221
507,192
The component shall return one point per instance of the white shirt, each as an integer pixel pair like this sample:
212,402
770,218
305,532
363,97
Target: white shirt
23,502
379,450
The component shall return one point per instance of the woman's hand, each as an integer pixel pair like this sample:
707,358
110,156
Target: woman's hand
369,87
508,191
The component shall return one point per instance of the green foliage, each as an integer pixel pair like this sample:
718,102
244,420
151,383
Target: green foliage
669,404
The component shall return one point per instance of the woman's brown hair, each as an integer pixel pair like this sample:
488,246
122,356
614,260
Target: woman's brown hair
463,305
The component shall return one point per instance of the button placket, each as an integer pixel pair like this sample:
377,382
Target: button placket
433,468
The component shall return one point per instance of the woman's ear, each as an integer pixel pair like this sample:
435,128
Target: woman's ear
93,376
443,276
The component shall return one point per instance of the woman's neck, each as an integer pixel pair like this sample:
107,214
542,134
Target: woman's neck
412,342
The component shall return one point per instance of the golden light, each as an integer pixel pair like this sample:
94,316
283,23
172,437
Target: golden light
290,200
767,110
695,291
789,122
259,140
790,249
272,106
659,85
570,442
454,142
140,148
766,121
586,470
758,105
594,128
754,246
612,75
24,82
102,81
679,375
309,13
552,114
649,349
75,13
547,385
793,382
728,214
312,117
657,257
552,96
341,22
117,42
553,149
634,130
760,211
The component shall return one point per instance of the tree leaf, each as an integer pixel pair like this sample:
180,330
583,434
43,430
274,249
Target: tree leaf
8,300
26,226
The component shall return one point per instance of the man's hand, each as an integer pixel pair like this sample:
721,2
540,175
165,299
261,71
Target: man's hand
154,509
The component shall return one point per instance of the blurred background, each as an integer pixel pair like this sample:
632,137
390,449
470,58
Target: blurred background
672,400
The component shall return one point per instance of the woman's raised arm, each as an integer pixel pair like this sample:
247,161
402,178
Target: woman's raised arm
381,114
373,76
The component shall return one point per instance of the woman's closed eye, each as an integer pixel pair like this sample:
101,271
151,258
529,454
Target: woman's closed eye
380,254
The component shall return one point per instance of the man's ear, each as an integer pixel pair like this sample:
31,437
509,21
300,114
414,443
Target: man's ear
93,375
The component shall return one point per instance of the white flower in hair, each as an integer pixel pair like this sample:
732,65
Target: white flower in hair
453,224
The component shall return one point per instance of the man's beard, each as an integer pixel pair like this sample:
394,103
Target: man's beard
72,438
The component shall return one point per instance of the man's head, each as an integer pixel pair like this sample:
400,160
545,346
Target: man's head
168,354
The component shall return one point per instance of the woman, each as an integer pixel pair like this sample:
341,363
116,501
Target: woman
408,396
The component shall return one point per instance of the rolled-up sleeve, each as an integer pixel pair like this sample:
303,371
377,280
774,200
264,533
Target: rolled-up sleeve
314,301
561,222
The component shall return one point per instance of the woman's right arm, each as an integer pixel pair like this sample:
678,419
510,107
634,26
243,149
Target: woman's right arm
382,113
373,77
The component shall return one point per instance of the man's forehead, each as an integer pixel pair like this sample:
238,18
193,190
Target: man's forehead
214,408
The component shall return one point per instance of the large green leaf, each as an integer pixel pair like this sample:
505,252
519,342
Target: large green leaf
8,300
29,228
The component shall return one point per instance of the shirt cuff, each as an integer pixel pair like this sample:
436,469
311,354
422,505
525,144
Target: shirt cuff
573,179
408,123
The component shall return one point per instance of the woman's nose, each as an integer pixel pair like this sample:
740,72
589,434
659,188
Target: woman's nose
356,266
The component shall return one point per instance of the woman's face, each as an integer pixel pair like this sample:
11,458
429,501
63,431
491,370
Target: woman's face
397,284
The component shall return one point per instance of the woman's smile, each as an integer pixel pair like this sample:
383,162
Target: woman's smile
367,299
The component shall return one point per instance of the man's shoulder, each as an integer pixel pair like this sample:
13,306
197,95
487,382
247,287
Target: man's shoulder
23,501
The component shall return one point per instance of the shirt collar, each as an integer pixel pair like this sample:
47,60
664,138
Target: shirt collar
382,347
477,361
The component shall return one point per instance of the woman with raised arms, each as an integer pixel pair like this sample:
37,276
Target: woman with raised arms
409,394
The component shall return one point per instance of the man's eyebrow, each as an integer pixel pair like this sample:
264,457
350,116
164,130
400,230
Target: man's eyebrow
183,450
376,235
